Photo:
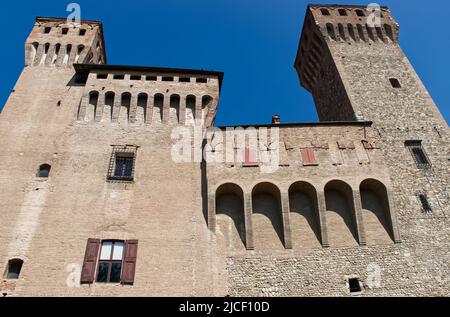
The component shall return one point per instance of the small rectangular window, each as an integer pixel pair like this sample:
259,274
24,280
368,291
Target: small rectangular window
47,30
82,32
167,78
65,31
135,77
119,77
354,285
184,80
202,80
102,76
325,11
151,78
395,83
418,154
121,167
342,12
360,13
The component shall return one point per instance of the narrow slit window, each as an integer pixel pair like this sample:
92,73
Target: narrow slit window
135,77
119,77
167,78
202,80
102,76
151,78
426,206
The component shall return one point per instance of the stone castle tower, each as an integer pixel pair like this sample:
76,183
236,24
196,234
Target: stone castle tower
94,204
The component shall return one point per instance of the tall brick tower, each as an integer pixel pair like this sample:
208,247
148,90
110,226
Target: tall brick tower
357,71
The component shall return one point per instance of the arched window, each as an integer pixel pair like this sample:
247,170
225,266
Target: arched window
342,32
44,171
67,55
124,114
351,31
190,109
174,114
79,51
141,114
388,30
109,106
158,106
361,32
207,104
56,53
45,53
92,107
13,269
33,53
330,30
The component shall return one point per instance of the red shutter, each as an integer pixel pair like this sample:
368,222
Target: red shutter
308,157
129,262
249,157
90,261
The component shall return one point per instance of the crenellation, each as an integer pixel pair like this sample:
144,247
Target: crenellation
88,160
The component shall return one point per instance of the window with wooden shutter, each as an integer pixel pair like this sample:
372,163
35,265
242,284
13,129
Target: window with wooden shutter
308,157
250,158
129,262
90,261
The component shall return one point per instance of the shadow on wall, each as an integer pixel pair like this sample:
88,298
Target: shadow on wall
267,217
340,214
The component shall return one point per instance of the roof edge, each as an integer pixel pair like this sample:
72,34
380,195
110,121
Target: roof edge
304,124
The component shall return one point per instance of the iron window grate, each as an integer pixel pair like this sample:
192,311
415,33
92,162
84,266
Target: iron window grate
122,163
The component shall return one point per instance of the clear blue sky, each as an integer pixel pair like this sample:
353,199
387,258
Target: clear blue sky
253,41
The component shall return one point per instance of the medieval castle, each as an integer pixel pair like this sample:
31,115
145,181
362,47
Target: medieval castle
93,204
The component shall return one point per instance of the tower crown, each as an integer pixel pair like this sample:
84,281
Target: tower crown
57,42
343,24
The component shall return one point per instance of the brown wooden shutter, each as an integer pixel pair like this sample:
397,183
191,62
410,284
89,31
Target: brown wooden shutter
90,261
129,262
308,157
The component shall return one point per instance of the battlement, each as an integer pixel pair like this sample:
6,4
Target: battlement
57,42
130,94
341,24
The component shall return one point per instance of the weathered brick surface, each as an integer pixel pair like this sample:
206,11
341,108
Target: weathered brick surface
220,229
